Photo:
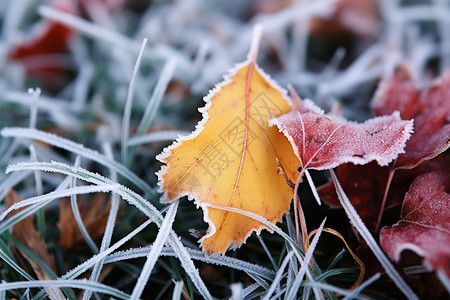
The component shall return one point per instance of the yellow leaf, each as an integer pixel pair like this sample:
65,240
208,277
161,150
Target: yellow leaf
230,159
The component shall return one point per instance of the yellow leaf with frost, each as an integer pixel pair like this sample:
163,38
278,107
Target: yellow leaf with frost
231,158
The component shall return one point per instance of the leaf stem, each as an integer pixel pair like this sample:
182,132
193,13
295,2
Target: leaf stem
298,212
256,40
383,203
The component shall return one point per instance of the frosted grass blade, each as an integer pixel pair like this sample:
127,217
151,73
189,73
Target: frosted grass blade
59,194
134,199
109,228
220,260
279,275
129,104
154,253
79,284
79,149
292,293
359,289
159,136
362,229
14,265
176,294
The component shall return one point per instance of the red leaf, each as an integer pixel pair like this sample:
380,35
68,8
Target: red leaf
364,186
37,52
430,110
424,227
325,141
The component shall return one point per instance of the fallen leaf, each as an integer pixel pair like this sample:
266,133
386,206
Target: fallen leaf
94,215
25,232
430,110
424,227
323,141
40,52
230,159
364,186
358,17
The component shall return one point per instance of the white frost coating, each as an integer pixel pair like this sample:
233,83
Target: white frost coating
167,152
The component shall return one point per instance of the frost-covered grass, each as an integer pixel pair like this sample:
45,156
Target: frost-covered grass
133,82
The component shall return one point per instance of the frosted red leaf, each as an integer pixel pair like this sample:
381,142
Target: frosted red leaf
364,186
323,141
430,110
424,227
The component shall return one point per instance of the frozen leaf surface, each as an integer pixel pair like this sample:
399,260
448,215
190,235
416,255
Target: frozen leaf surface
323,141
424,227
230,159
430,110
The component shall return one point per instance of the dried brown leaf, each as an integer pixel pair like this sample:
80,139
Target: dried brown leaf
94,215
29,236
